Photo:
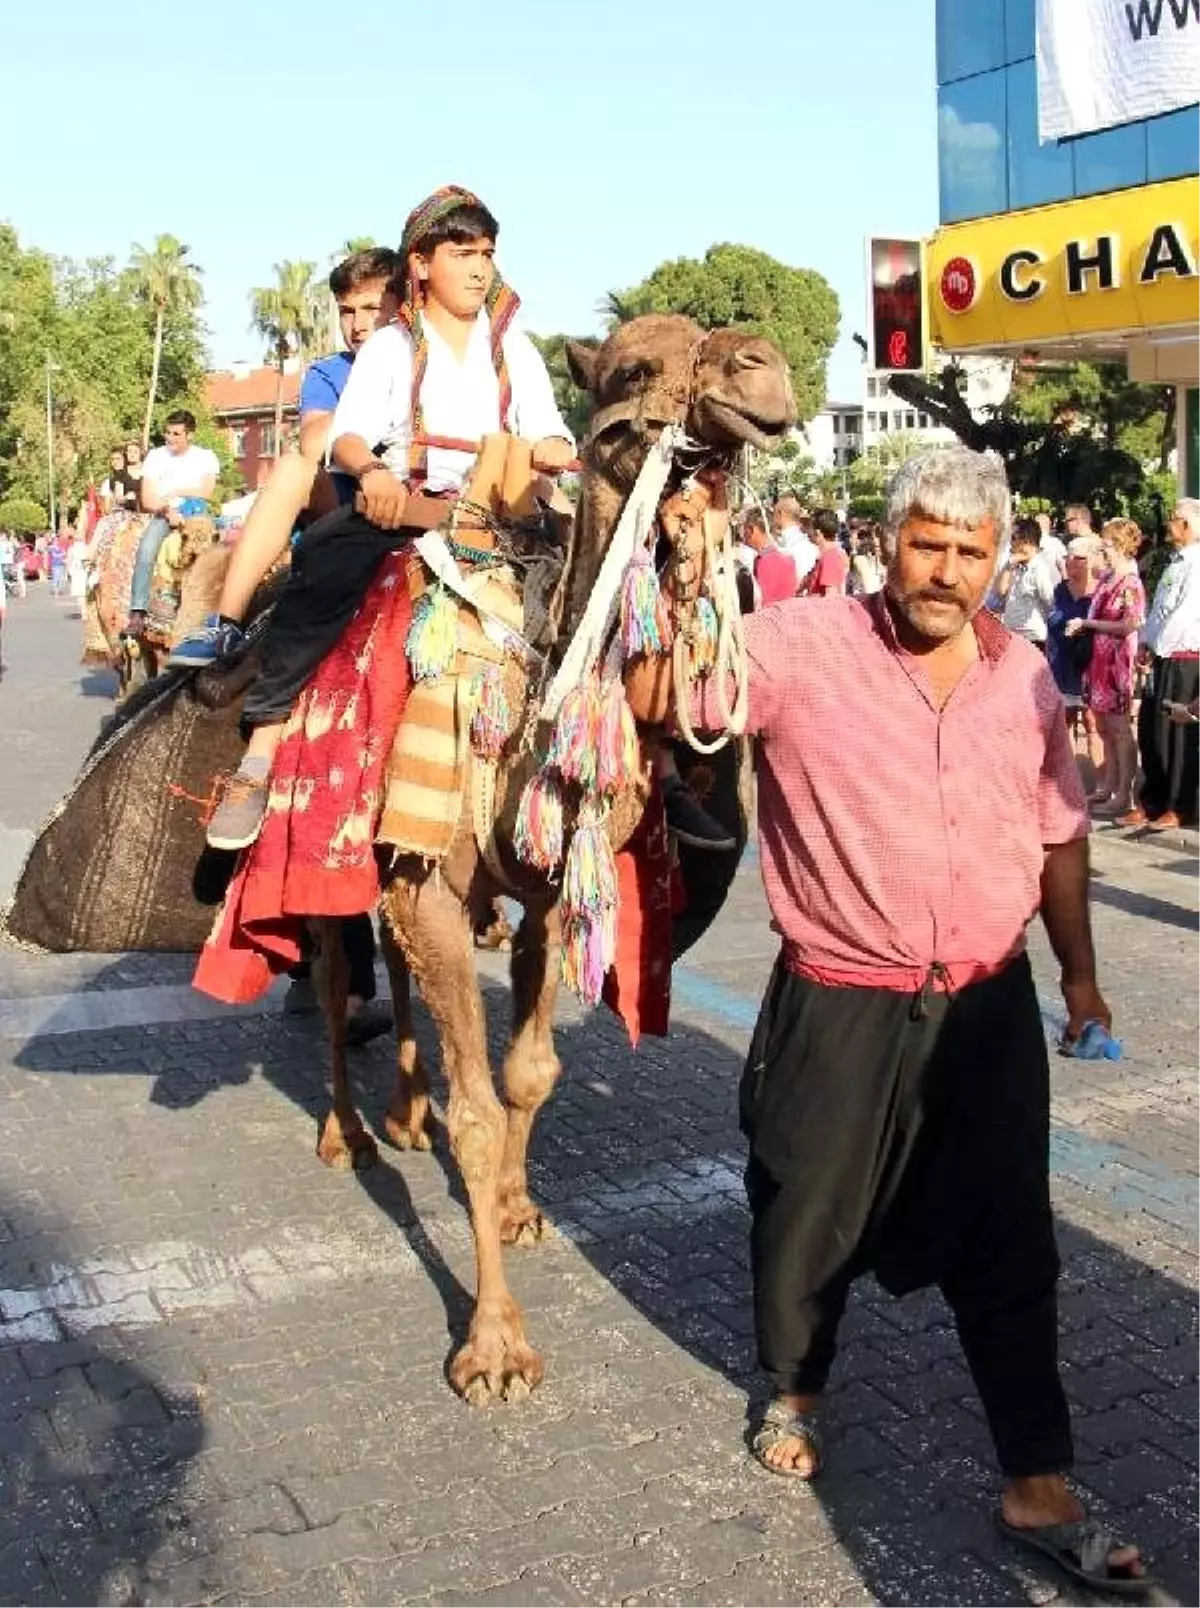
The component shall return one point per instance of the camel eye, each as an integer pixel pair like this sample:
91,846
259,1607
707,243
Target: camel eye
635,373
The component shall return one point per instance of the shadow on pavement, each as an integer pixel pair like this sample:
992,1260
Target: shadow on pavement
1144,904
95,1453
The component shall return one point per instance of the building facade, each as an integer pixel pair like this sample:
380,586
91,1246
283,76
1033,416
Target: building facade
1065,248
243,400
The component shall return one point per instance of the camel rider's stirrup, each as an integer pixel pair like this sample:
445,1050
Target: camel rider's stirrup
213,642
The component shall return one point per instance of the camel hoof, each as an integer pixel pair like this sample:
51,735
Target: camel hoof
406,1137
346,1152
502,1368
522,1225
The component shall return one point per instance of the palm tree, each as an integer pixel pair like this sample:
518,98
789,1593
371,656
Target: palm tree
169,283
288,316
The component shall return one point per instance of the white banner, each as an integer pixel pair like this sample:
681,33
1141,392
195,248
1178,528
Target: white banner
1104,62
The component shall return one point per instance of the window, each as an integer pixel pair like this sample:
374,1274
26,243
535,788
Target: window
897,419
1113,159
972,128
923,421
1037,173
870,421
266,446
871,391
1172,143
837,424
1020,32
970,38
910,419
237,441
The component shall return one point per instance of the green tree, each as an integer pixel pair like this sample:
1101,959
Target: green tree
23,516
92,322
740,287
168,283
288,316
1067,433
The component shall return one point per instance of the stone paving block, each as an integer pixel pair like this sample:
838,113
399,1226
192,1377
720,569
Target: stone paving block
532,1587
24,1577
1132,1475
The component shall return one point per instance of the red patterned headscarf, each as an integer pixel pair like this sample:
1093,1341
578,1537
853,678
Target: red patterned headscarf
501,304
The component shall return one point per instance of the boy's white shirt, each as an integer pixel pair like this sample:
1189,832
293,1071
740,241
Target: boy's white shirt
457,399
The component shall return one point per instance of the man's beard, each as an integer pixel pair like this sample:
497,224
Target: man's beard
938,625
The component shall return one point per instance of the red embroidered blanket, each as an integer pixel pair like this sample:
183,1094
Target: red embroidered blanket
315,854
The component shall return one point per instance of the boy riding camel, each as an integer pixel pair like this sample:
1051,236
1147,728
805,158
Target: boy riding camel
362,286
451,367
448,371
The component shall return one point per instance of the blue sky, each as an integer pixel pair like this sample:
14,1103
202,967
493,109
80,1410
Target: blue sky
605,137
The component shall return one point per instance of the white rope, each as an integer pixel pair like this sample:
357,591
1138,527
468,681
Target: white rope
634,528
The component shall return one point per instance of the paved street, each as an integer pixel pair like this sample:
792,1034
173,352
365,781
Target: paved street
221,1366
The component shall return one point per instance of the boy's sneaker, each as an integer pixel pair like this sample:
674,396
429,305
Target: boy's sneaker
689,822
208,646
238,818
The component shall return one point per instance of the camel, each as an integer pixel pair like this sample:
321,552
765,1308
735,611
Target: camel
727,388
115,545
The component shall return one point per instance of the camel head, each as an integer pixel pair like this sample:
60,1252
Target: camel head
727,388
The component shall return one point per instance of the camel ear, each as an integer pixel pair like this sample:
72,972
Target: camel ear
581,361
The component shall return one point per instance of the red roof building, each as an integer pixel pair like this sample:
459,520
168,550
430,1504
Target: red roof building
243,403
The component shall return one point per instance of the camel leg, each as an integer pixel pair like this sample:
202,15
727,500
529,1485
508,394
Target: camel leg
344,1144
531,1068
408,1121
434,930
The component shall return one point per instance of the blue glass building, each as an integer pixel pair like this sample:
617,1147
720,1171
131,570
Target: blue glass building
1017,213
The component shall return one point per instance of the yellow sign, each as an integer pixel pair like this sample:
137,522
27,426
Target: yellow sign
1122,261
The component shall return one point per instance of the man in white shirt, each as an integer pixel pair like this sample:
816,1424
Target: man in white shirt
1031,582
789,534
173,475
421,394
1170,641
1053,546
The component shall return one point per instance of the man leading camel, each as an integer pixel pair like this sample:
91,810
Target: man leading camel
896,1094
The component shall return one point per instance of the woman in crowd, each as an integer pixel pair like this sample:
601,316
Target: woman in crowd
866,566
1117,611
1067,655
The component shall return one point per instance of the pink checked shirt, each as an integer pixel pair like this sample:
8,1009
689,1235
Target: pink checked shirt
895,836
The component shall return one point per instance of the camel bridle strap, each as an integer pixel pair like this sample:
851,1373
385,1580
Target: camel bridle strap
655,406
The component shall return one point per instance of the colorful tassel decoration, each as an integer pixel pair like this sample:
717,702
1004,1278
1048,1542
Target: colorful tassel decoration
618,752
491,718
645,623
575,736
432,641
589,912
705,630
538,834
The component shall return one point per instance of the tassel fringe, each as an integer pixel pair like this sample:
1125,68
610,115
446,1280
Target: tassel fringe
538,834
589,911
645,623
432,641
491,718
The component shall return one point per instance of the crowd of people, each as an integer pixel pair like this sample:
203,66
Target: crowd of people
1126,663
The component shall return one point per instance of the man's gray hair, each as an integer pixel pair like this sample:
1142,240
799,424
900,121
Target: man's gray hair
953,486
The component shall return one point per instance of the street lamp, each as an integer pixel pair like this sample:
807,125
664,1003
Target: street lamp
51,368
